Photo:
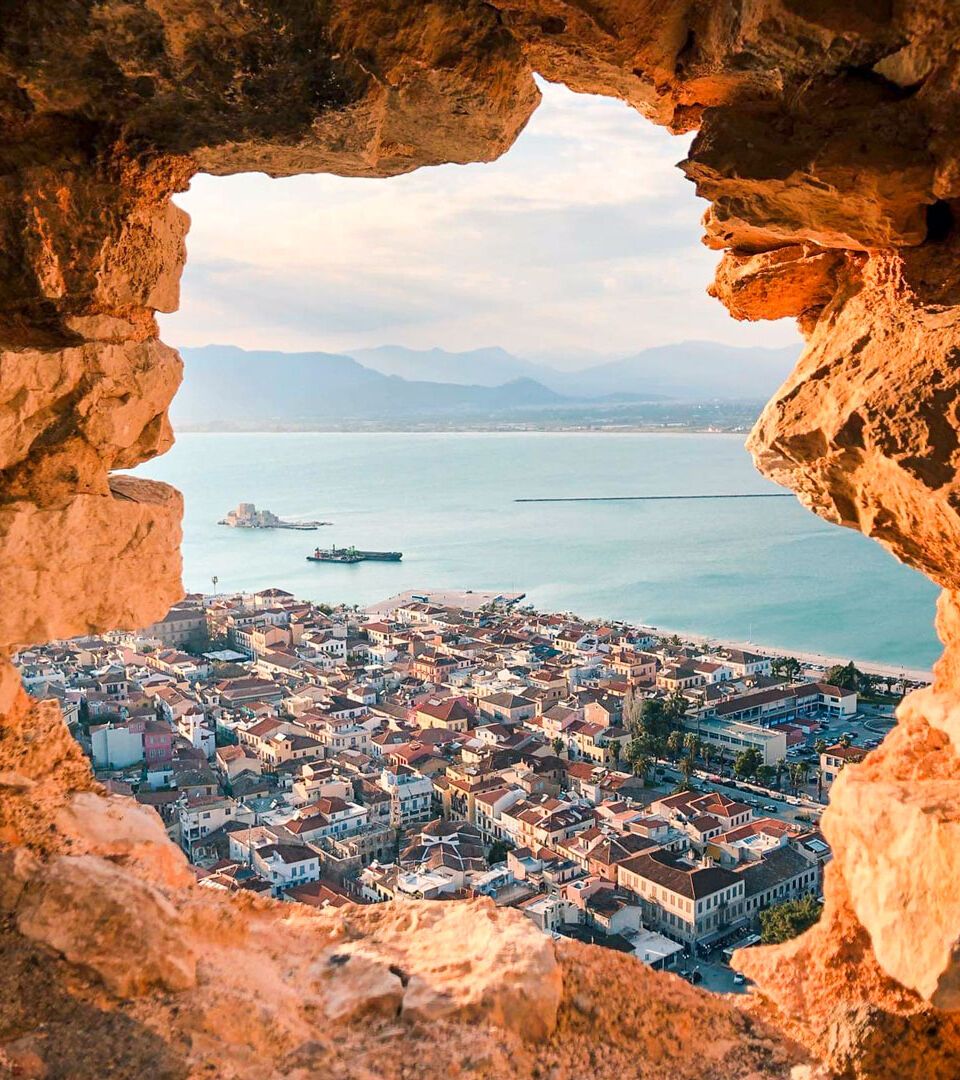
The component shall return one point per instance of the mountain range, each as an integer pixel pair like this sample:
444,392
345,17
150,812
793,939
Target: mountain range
691,370
227,386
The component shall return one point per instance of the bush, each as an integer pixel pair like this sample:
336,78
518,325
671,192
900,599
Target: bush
788,920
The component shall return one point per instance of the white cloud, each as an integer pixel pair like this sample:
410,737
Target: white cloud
583,236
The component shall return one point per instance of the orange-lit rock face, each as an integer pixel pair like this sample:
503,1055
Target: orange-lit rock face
827,148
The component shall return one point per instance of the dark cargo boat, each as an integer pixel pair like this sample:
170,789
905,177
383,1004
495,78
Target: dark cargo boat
352,555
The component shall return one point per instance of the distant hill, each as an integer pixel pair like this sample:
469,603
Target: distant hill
689,371
229,388
224,384
476,367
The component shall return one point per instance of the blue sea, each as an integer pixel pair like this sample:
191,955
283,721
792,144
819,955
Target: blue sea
763,570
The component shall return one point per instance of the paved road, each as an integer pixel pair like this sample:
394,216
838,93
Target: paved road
784,811
715,975
872,723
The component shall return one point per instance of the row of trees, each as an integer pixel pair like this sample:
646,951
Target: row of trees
847,676
656,727
748,765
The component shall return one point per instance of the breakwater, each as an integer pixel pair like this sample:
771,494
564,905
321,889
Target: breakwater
653,498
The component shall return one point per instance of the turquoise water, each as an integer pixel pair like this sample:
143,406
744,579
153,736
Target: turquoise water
764,570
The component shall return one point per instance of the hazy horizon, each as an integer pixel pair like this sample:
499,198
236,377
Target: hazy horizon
579,246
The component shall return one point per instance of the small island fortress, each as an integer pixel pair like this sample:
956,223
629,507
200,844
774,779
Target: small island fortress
247,516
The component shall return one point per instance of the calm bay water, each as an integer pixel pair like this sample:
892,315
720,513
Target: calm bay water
764,570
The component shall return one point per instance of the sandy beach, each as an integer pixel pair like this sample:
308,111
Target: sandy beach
813,659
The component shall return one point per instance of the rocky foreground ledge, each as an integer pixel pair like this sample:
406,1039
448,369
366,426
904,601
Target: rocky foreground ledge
114,962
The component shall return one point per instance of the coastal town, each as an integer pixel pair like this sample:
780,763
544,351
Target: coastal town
612,783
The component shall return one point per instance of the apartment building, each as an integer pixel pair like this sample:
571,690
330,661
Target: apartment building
689,902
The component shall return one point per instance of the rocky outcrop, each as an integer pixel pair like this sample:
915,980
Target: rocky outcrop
246,987
827,149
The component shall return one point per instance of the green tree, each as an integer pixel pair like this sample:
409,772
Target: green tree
765,774
781,765
686,766
639,758
785,921
654,719
675,708
615,752
691,744
849,677
747,763
558,745
820,745
674,744
787,667
497,853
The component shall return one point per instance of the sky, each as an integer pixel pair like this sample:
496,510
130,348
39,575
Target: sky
580,244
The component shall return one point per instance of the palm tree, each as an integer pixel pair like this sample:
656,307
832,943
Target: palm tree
674,744
641,767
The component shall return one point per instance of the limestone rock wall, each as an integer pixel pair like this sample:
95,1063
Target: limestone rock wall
827,147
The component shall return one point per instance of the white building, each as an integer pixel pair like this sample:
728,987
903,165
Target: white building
116,746
201,815
286,865
411,796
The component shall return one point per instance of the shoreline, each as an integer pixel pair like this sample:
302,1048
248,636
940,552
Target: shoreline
474,598
871,667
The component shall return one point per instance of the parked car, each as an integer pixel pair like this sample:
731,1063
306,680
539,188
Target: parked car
770,808
739,978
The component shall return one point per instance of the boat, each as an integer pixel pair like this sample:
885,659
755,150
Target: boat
352,555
